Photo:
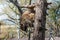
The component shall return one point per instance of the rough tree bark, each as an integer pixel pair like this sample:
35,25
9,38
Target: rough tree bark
0,28
40,20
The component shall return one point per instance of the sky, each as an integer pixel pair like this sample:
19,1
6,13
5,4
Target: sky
2,13
4,16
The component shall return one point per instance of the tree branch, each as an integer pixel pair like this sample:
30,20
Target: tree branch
17,5
28,6
30,2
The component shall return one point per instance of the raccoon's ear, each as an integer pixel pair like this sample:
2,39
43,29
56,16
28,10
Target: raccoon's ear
31,15
25,14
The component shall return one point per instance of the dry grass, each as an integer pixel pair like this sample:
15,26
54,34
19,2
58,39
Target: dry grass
6,32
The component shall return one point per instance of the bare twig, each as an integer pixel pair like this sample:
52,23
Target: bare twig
28,6
17,5
30,2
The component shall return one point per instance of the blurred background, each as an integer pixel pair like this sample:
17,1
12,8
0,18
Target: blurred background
9,20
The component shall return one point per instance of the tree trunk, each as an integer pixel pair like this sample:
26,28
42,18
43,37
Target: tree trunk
40,20
0,28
